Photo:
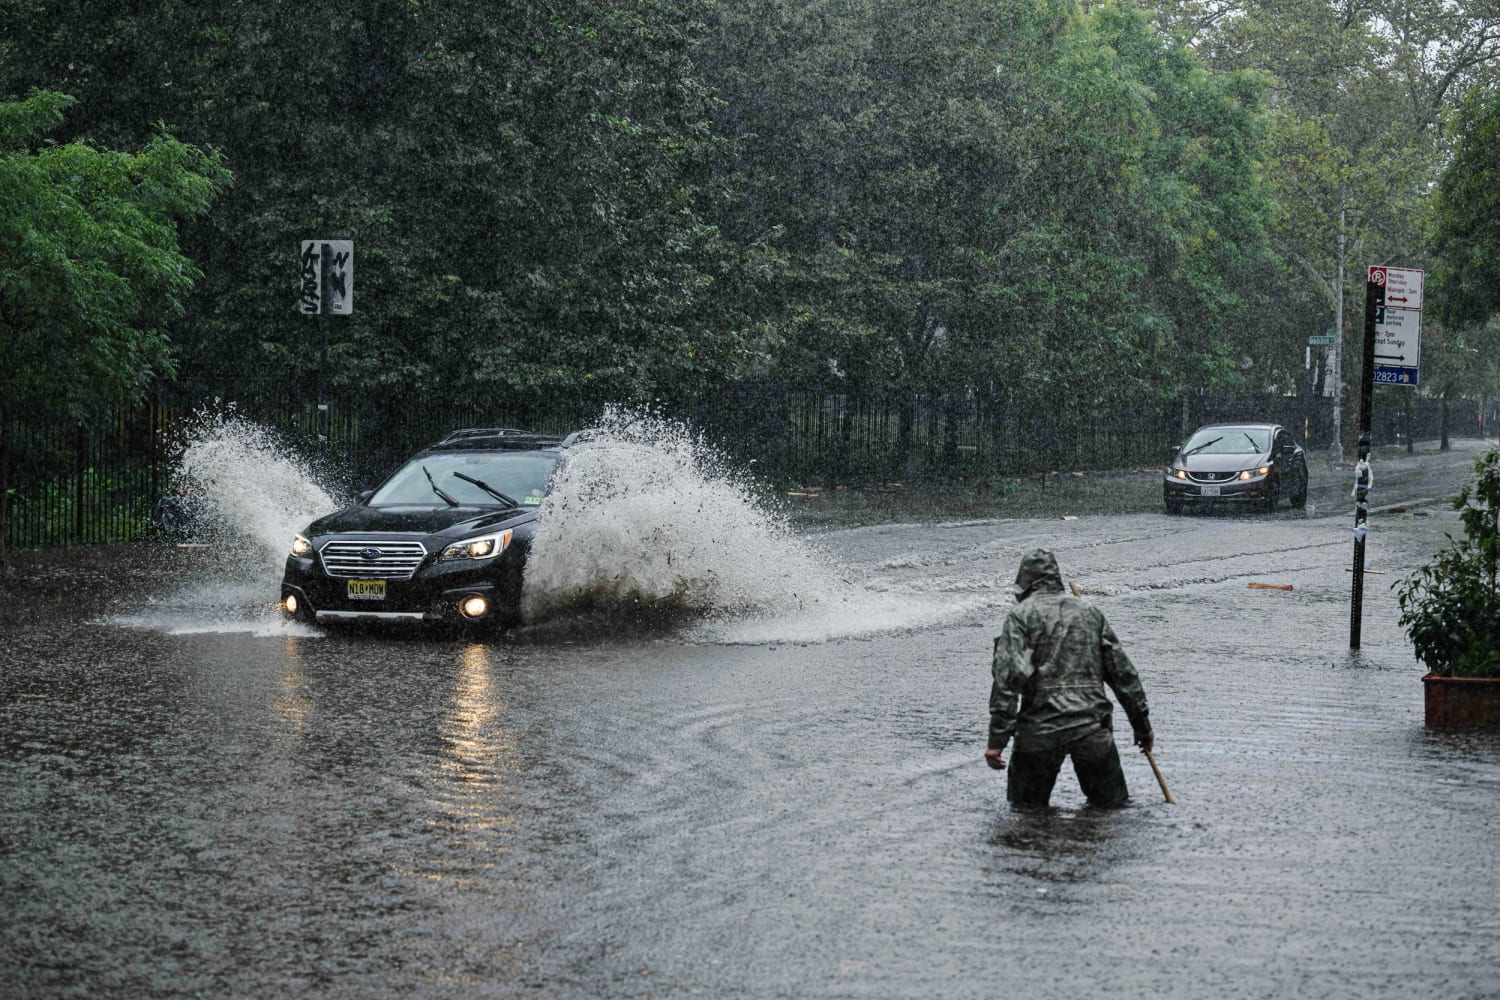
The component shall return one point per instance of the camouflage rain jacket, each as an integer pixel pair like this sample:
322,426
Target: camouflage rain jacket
1055,655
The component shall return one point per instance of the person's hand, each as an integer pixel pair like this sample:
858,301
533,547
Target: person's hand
994,760
1145,740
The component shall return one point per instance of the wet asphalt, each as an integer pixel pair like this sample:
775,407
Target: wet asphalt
617,806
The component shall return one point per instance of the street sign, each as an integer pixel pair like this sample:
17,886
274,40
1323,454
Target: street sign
1398,325
326,273
1403,286
1323,340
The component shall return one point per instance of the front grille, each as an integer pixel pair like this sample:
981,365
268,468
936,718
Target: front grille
1213,477
394,561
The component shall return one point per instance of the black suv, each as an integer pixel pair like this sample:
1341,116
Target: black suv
444,539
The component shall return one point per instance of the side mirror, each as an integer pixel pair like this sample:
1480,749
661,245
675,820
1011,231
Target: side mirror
1177,447
364,497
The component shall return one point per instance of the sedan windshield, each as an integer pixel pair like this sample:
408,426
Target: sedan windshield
1228,441
519,474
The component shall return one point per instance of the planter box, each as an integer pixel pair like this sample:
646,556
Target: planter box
1462,701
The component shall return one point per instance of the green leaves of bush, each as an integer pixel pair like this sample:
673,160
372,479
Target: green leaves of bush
1450,607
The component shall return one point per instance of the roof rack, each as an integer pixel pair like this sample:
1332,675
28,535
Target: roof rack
483,432
495,439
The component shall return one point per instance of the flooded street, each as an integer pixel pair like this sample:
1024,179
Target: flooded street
198,799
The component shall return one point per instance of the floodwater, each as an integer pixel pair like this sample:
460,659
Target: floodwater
785,801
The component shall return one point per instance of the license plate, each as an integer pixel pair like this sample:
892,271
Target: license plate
1208,491
366,590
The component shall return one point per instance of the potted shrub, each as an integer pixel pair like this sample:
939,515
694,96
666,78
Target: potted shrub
1451,610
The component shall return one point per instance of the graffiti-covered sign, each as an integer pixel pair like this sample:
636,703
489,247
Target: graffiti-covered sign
326,275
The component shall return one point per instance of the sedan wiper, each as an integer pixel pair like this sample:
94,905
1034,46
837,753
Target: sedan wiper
1194,451
437,489
488,489
1253,443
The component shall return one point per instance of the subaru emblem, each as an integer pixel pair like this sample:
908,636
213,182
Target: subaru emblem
370,554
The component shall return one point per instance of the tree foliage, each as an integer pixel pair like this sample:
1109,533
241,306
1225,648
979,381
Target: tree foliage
90,268
1468,215
1451,607
607,200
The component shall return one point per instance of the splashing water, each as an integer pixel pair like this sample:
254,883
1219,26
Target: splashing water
644,514
251,486
248,492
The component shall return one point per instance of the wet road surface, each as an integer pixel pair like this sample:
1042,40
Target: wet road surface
789,807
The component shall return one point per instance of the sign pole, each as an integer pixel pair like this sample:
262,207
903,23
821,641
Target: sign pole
326,272
1374,299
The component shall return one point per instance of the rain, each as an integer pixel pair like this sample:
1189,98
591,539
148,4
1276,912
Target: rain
824,316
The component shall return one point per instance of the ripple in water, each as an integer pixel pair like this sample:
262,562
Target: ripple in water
643,514
248,492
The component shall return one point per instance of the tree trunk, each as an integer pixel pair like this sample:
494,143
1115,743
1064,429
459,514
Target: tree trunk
950,433
906,418
846,438
1443,434
5,450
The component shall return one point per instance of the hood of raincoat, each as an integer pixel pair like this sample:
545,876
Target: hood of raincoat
1038,572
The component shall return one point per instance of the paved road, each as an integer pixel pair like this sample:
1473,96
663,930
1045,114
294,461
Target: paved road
198,800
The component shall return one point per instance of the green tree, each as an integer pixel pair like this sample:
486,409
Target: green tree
1359,94
1467,214
90,268
523,186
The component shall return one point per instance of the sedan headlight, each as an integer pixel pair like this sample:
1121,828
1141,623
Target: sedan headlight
1180,473
1255,473
483,547
301,546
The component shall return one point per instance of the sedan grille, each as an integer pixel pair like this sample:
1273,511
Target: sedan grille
369,559
1213,477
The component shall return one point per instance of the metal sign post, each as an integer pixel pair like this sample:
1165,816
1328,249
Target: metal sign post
327,274
1393,328
1363,478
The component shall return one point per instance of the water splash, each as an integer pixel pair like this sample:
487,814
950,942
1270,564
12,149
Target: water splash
643,514
245,492
253,489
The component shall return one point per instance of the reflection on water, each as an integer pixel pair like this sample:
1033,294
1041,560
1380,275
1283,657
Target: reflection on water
473,736
467,806
293,702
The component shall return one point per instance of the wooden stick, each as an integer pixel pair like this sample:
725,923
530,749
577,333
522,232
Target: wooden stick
1159,779
1270,586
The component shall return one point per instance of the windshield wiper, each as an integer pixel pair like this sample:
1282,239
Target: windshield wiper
1253,443
488,489
1194,451
438,490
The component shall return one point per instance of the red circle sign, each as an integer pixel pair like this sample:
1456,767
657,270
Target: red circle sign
1377,275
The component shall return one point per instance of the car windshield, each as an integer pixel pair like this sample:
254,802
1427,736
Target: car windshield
522,475
1228,441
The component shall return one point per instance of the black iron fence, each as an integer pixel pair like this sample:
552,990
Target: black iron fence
72,484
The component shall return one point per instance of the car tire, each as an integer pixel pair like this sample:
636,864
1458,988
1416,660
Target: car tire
1174,506
1299,499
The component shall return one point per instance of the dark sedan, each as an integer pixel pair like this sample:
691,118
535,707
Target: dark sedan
1248,465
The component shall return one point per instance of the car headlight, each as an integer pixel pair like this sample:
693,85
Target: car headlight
1255,473
483,547
301,546
1180,473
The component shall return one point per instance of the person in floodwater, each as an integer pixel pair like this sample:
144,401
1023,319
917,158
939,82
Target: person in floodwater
1055,655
